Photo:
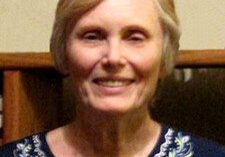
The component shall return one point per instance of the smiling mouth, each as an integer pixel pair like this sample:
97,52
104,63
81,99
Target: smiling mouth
113,83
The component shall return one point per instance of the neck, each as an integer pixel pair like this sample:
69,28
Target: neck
100,134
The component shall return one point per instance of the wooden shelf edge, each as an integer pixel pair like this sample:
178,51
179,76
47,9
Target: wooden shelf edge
43,60
29,60
200,58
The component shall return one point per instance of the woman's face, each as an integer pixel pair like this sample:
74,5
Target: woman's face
114,55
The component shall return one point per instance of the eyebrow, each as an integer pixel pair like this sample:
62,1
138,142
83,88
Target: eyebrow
83,29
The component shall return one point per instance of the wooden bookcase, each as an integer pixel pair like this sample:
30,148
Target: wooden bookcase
32,89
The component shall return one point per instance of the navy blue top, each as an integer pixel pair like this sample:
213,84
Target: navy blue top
172,143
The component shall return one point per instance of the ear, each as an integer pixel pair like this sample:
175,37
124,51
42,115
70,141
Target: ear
65,69
62,66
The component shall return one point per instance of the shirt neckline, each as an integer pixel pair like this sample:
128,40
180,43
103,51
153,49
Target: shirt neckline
160,141
155,150
45,145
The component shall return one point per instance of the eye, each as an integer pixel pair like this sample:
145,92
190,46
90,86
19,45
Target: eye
93,35
136,37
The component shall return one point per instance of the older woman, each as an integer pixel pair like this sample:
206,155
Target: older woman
115,52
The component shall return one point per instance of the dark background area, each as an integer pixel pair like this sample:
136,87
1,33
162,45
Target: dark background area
196,106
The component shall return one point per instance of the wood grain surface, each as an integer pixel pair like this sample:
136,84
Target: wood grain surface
26,60
200,58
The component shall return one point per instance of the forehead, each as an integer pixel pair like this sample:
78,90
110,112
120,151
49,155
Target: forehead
122,10
127,5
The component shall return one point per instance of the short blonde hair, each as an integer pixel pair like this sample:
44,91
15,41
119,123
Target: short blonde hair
171,28
68,10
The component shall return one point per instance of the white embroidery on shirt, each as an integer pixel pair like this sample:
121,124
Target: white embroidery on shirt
22,149
37,145
184,147
26,150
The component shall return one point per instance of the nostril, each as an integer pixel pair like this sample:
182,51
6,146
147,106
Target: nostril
112,66
109,62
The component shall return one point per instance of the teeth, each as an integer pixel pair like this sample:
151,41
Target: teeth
113,83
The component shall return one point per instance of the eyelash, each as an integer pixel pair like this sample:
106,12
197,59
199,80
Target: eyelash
136,37
93,35
96,35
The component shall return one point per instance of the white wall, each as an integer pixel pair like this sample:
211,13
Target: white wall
25,25
203,23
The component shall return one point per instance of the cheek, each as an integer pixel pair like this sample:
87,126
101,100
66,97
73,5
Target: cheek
81,60
147,63
148,66
147,59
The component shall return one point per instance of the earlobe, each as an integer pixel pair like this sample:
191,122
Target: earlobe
65,73
65,64
65,69
62,66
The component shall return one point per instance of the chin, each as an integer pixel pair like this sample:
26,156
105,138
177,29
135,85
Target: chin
111,105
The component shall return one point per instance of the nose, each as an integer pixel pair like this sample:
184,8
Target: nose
113,54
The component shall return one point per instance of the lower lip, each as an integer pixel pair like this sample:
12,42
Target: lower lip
111,90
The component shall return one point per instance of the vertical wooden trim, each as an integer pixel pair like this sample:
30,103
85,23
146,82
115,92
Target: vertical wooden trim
31,103
11,105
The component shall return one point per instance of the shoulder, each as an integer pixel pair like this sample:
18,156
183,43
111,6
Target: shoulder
187,145
30,146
